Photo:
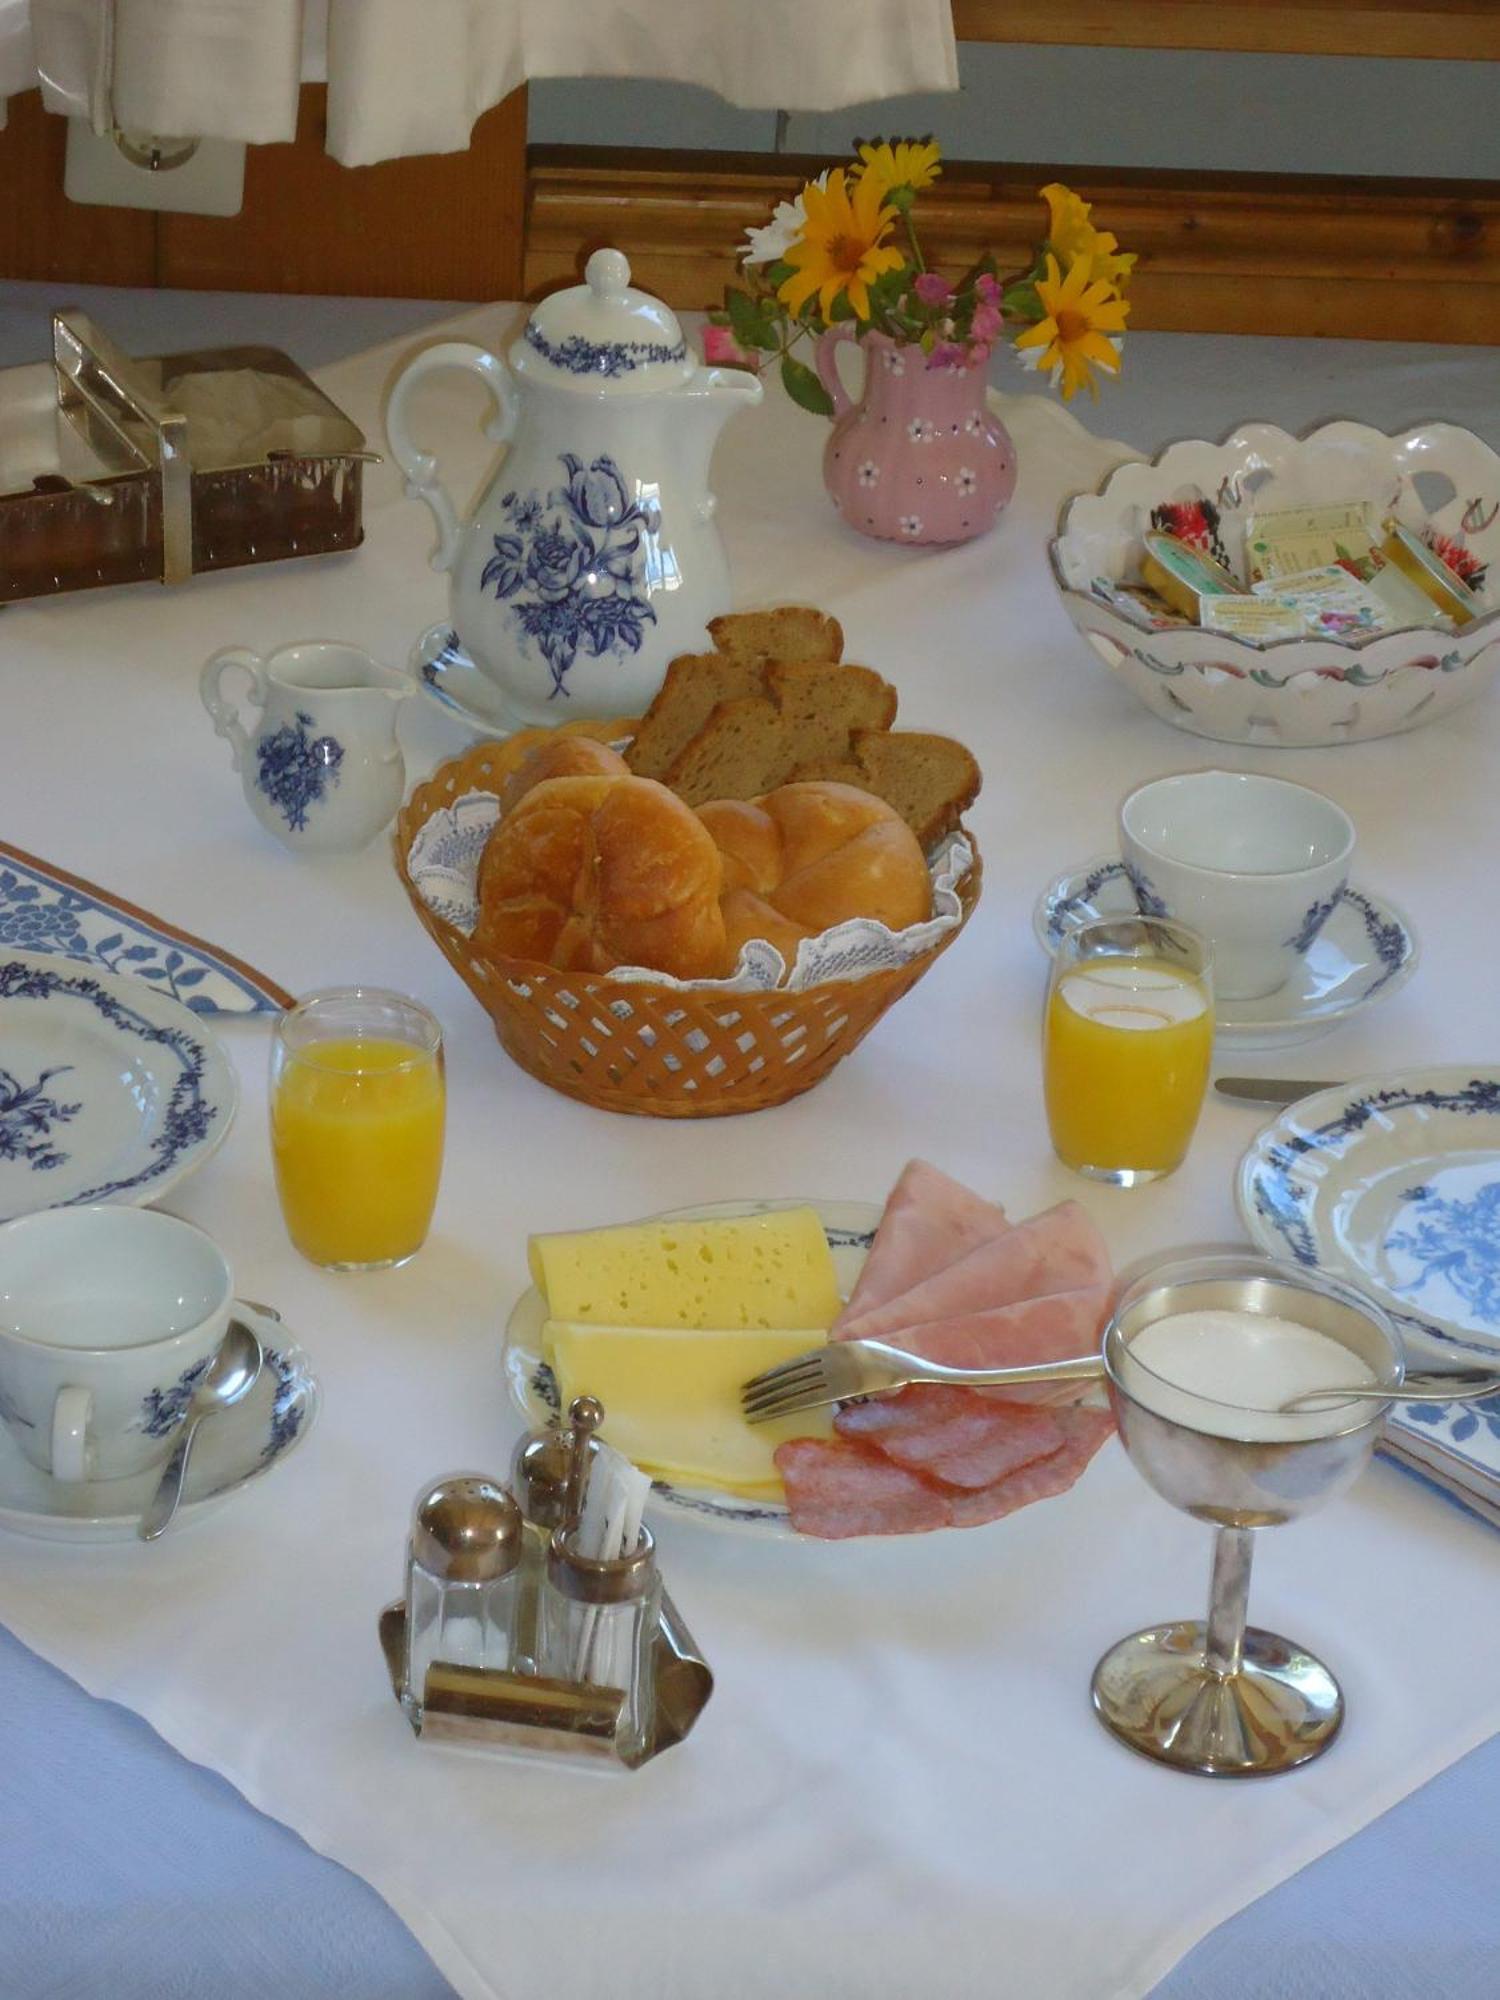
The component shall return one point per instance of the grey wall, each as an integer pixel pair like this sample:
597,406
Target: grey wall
1118,107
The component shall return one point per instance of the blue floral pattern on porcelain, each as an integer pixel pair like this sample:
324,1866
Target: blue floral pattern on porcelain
27,1116
188,1115
1454,1241
602,357
570,566
295,769
162,1410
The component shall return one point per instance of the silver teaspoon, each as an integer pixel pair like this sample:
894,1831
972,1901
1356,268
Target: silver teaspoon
1451,1385
231,1374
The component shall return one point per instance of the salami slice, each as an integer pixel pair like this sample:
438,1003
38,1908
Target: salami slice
928,1222
1057,1251
1083,1433
836,1488
953,1435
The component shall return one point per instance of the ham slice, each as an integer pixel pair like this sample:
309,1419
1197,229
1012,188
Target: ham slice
1046,1329
836,1489
953,1435
929,1222
1057,1251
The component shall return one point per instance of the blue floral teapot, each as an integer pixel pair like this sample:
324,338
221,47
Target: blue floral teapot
592,557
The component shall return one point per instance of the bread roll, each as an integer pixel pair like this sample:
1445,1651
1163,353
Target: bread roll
589,873
808,856
574,756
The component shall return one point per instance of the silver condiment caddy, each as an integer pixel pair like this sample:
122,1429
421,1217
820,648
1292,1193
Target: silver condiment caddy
499,1598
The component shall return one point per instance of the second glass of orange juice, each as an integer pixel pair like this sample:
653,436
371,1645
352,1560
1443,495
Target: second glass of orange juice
357,1111
1126,1047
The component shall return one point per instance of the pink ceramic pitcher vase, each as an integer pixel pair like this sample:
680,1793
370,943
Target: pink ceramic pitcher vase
920,457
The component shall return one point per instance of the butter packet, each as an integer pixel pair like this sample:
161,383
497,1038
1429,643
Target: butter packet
1293,540
1139,603
1427,574
1334,604
1183,575
1258,619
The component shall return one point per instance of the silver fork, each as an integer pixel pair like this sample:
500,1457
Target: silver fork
846,1368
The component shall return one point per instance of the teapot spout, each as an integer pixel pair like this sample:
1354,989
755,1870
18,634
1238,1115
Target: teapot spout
709,398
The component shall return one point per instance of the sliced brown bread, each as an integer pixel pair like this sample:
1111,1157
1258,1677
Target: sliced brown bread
749,746
735,755
930,780
695,685
787,632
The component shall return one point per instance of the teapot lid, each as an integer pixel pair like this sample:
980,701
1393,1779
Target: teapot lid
603,336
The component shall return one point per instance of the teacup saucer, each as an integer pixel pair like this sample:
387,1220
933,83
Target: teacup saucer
1365,950
234,1447
445,673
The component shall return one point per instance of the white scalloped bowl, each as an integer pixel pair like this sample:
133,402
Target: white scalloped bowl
1437,479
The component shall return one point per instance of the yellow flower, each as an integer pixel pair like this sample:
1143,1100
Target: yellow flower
1082,313
840,248
902,163
1072,235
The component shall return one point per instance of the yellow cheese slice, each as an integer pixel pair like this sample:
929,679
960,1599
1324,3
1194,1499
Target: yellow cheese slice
671,1398
771,1270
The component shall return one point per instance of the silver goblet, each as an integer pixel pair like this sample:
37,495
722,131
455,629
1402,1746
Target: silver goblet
1219,1698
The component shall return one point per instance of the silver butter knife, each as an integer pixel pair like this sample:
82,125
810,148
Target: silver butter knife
1270,1089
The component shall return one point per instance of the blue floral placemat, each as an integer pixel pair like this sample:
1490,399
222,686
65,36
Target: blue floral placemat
45,909
1453,1446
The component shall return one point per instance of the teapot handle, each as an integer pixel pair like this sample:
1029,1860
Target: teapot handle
420,467
826,355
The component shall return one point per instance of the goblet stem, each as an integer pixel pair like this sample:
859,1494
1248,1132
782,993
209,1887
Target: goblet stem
1228,1598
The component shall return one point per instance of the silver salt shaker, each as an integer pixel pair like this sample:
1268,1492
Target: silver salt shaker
462,1575
548,1475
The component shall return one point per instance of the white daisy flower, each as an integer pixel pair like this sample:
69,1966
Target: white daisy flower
965,479
910,524
770,244
974,423
895,361
919,430
869,473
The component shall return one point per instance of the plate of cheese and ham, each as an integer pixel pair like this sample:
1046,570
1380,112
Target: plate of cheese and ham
665,1320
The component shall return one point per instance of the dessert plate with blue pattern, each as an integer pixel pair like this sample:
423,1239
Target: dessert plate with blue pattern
1393,1183
1365,951
110,1090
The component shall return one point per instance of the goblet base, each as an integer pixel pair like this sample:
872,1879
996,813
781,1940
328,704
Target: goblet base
1156,1692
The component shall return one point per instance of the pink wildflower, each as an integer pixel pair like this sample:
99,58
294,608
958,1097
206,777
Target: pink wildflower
933,289
948,354
721,347
988,288
987,324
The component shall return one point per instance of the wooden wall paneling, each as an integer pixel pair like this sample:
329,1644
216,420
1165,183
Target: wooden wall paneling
45,236
438,226
1245,253
1460,30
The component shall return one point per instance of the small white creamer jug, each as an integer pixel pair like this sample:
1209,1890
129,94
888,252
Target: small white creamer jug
321,768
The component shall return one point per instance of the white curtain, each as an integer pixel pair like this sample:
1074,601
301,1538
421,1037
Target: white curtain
411,76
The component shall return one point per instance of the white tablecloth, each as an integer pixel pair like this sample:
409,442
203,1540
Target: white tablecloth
898,1787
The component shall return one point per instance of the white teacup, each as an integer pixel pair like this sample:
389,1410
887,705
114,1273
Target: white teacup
108,1317
1253,864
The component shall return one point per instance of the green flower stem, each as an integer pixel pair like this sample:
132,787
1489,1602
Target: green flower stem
911,237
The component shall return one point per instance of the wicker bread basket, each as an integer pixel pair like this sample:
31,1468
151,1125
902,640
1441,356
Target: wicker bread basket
656,1051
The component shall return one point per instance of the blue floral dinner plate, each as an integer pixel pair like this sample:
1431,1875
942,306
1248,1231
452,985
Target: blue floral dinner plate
850,1229
110,1090
1365,951
1393,1182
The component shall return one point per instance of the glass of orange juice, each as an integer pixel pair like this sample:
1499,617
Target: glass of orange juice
1126,1046
357,1105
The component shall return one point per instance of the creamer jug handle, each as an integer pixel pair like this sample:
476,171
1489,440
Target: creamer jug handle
420,467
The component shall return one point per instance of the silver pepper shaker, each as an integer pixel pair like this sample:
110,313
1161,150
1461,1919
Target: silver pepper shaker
549,1474
462,1572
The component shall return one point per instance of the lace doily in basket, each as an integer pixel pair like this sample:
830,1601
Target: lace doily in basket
444,865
